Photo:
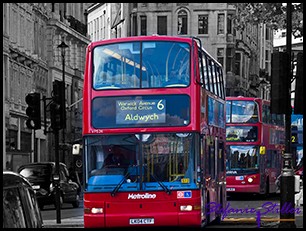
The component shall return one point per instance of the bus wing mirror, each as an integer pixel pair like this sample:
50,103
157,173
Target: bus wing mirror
76,149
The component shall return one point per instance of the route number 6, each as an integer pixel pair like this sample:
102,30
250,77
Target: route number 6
160,105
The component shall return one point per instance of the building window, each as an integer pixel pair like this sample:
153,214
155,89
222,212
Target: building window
62,11
182,4
237,63
220,24
220,55
182,22
11,140
230,53
25,141
267,33
230,24
103,27
134,29
162,25
143,25
267,66
203,24
267,55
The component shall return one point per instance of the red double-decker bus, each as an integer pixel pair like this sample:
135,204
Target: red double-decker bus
153,133
255,141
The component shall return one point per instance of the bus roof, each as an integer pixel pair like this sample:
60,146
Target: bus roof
246,98
142,38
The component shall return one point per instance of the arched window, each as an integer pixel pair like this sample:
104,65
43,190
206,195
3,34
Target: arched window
182,22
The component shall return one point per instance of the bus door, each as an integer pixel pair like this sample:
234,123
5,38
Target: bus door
211,176
221,172
204,165
262,170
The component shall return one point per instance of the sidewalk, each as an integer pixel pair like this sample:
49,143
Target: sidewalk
264,223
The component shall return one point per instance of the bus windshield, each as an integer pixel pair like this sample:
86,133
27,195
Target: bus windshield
241,111
242,157
144,162
147,64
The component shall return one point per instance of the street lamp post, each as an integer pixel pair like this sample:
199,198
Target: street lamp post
63,46
287,175
263,85
56,176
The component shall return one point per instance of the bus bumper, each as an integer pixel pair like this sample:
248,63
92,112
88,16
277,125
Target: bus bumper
242,189
184,219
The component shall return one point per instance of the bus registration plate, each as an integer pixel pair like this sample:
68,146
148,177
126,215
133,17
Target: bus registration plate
137,221
230,189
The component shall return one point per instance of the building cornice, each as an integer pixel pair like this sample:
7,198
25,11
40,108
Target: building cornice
94,7
63,27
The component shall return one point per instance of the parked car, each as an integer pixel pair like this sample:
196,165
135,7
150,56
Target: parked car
20,206
40,175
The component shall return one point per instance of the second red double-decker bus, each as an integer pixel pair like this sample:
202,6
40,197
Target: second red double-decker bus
153,133
255,141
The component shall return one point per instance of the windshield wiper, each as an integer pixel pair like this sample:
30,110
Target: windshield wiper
116,189
159,182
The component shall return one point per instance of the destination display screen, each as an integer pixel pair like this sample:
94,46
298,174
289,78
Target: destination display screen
140,111
242,133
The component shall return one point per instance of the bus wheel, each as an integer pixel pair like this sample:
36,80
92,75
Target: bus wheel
266,194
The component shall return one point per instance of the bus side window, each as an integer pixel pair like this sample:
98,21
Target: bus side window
206,157
221,156
201,69
269,159
206,80
211,154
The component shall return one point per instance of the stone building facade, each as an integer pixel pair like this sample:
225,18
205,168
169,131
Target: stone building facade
244,54
31,62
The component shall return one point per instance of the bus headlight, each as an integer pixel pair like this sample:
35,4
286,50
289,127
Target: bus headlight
36,187
96,210
186,207
250,180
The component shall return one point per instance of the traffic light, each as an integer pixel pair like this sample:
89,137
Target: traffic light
33,110
57,107
298,98
280,83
